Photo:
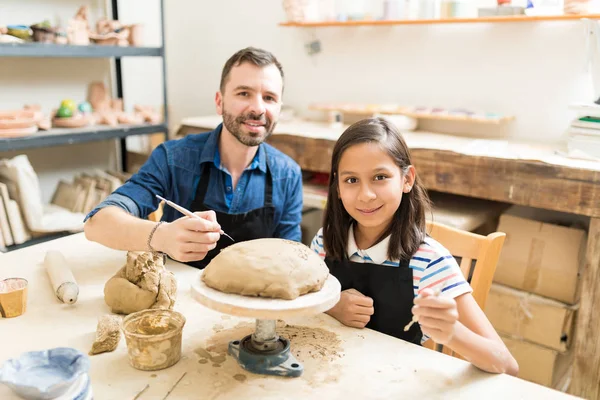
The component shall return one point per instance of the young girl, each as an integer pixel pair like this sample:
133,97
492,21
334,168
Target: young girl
374,242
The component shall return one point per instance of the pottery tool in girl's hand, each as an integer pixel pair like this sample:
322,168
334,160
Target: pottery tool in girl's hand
187,212
63,282
415,318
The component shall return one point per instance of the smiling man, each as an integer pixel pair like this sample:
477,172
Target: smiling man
229,177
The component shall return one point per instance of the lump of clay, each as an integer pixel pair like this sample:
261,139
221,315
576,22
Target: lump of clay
107,334
142,283
275,268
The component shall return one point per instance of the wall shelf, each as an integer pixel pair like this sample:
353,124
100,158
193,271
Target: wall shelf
66,136
494,19
91,51
413,112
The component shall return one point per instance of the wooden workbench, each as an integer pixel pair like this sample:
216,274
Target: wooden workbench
558,184
340,362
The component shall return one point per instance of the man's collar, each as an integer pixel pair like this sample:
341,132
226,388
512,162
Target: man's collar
210,153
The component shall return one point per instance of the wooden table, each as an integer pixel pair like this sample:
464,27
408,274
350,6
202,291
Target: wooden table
363,364
551,186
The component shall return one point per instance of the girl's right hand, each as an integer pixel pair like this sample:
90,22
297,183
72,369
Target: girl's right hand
354,309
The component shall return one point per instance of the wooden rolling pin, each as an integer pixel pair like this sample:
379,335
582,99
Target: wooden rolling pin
63,282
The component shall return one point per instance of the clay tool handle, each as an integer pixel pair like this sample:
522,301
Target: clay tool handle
187,212
63,282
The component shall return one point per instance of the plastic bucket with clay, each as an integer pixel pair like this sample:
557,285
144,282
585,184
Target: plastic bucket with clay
153,338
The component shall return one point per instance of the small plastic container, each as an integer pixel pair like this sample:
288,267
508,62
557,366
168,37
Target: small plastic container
13,297
153,338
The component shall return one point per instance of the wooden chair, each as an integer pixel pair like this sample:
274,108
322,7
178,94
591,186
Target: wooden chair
485,250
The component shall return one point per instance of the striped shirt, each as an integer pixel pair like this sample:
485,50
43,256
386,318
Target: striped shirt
433,266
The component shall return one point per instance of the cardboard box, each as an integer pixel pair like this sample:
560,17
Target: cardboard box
531,317
541,258
539,364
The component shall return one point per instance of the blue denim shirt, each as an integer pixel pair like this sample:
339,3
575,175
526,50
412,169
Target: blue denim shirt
173,171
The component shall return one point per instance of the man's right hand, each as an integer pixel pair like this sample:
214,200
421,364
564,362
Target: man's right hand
354,309
188,239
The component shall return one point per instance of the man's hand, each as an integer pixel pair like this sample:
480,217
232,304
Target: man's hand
188,239
354,309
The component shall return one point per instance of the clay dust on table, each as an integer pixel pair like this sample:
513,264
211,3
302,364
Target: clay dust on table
315,348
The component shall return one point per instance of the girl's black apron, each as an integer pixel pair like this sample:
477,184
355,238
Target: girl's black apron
391,289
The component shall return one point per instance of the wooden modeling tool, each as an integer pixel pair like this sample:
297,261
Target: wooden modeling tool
415,318
187,212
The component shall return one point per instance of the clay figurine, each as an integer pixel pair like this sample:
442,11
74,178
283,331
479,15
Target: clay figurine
110,33
78,31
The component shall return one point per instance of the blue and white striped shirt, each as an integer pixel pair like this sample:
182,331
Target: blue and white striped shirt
433,266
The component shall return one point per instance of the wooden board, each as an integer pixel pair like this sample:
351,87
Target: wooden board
264,308
521,182
586,371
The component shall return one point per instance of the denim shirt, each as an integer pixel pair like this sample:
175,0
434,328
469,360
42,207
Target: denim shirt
173,172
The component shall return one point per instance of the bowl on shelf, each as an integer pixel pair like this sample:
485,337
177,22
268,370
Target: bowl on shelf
76,121
43,34
19,31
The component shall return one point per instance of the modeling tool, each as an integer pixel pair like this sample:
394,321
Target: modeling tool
415,318
187,212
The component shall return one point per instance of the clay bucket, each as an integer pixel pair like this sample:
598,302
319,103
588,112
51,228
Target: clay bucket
150,351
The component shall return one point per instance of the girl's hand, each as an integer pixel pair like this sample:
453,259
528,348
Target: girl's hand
354,309
437,316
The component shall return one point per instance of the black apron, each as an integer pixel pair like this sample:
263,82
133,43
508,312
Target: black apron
254,224
391,289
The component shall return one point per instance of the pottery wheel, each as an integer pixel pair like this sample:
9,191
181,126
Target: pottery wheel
267,308
264,352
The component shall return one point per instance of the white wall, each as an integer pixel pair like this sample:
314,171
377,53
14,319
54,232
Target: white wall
142,76
529,70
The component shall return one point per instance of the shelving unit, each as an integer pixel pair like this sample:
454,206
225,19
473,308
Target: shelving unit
64,137
65,50
494,19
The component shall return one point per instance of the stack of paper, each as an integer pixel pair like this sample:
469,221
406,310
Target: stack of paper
584,132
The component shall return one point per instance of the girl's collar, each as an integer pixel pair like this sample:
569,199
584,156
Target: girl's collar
376,254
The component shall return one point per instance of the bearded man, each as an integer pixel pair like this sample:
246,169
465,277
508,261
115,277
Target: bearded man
235,182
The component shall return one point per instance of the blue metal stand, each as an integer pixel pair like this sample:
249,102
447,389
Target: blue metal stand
265,353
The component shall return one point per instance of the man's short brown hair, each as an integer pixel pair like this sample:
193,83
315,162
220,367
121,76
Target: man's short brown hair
258,57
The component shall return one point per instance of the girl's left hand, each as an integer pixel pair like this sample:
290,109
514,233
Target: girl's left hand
437,316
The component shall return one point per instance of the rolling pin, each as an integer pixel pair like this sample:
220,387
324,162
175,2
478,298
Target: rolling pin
63,282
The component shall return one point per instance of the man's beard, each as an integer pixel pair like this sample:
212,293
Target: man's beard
234,125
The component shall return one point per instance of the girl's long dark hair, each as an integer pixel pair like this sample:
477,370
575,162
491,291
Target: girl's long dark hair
408,227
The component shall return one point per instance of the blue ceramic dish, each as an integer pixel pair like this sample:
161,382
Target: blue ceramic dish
44,374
